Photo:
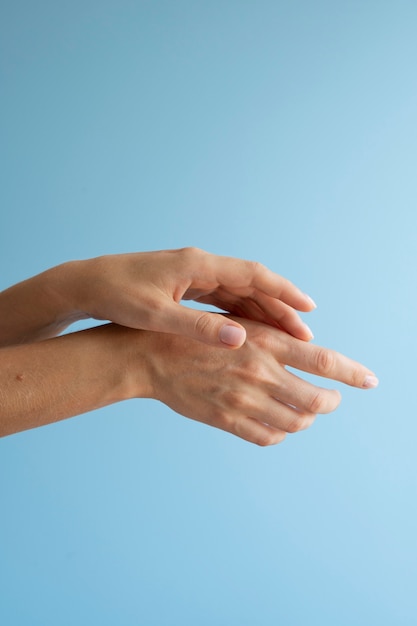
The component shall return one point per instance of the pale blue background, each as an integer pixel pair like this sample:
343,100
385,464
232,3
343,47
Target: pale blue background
279,131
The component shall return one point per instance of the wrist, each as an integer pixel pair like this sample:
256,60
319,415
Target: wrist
137,354
40,307
67,285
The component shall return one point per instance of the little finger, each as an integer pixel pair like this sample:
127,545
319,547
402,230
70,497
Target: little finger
252,430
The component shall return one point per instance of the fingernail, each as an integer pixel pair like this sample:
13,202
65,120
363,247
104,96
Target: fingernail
370,382
232,335
311,300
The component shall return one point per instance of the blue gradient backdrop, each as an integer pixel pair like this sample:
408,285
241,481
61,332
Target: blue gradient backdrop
279,131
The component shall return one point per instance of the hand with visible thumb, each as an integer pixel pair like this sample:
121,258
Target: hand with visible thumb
144,291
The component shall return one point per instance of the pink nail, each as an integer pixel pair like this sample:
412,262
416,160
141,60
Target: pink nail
232,335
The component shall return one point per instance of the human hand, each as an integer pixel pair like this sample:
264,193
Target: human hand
247,392
143,291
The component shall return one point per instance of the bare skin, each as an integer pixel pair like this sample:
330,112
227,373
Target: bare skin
159,349
144,290
247,392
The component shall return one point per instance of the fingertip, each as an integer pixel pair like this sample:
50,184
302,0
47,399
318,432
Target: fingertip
339,396
303,332
337,399
304,303
308,333
232,336
311,302
370,382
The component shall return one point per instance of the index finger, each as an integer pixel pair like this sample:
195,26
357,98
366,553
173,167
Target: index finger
327,363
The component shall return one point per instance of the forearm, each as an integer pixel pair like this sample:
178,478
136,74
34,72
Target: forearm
51,380
40,307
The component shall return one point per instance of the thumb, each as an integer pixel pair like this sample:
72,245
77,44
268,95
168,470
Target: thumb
212,328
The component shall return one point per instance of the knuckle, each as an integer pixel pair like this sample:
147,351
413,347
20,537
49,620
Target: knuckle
263,338
325,361
191,251
306,420
271,438
301,422
204,323
295,425
191,257
318,402
254,370
222,419
356,377
257,267
279,437
254,270
235,400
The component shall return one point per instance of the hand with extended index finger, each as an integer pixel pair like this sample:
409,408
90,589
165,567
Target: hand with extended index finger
144,290
249,392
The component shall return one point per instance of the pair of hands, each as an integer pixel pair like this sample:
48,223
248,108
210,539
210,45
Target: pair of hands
227,371
246,391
